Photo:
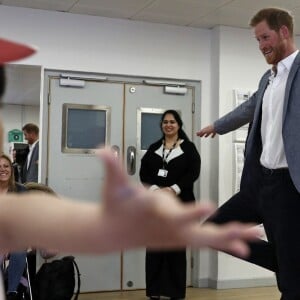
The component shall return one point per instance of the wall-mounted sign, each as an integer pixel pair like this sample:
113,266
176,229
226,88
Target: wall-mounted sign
15,135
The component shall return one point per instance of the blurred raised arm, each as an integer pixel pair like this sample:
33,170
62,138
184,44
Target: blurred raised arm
128,217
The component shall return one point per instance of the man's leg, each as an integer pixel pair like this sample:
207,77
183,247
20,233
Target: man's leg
244,208
280,202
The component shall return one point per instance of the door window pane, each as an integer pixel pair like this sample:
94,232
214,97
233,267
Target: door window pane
150,129
85,128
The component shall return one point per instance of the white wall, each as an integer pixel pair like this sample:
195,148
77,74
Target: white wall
240,66
223,59
94,44
104,45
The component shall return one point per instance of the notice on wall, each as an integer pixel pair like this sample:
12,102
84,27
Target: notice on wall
239,149
240,96
239,139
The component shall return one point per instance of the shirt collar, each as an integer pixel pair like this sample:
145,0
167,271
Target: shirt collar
33,145
286,63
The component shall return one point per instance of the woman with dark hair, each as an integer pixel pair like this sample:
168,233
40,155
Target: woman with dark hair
171,164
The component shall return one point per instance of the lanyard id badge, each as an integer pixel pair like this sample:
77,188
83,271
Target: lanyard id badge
162,173
165,157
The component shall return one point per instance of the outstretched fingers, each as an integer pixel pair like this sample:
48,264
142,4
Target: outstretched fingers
231,238
192,212
116,185
115,175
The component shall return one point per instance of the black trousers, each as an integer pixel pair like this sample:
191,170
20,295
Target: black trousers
166,273
276,204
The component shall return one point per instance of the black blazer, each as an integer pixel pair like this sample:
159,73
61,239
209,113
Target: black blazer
183,169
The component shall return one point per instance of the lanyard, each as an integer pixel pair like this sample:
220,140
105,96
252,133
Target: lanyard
164,157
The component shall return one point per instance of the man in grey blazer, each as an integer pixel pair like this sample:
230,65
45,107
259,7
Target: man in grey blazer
31,165
270,184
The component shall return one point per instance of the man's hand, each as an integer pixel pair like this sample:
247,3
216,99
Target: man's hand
207,131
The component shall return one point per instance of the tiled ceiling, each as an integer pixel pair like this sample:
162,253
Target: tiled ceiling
193,13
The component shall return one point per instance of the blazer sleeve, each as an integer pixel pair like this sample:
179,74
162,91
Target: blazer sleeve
243,114
193,166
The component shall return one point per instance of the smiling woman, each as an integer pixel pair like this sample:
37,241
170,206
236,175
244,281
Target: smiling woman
171,164
7,178
6,175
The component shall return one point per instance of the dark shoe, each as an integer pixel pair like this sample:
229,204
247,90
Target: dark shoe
13,296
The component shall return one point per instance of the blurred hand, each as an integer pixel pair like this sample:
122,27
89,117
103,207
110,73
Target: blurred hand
207,131
168,190
159,220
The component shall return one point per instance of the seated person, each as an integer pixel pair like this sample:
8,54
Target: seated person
45,253
17,260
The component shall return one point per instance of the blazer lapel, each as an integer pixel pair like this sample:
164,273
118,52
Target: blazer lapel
258,110
32,157
254,145
292,74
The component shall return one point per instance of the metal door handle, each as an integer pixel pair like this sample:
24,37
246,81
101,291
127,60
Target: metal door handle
116,150
131,160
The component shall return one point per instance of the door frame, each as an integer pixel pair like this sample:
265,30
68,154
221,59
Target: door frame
124,79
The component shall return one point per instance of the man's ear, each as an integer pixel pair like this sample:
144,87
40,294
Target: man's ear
284,32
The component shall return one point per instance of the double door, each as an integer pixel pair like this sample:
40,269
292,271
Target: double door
124,115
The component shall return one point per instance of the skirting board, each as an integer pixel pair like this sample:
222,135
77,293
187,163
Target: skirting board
236,283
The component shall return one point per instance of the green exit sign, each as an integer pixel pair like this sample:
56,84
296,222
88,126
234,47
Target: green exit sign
15,135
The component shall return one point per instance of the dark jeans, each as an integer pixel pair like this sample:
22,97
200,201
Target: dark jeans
16,267
276,204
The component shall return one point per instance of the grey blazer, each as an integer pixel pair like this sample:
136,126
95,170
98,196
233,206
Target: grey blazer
251,111
31,174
